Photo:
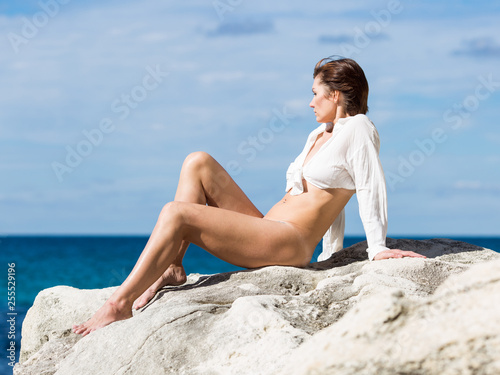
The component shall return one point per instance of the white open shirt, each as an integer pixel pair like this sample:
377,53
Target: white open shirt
348,160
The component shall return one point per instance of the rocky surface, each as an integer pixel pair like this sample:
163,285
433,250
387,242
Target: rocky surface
345,315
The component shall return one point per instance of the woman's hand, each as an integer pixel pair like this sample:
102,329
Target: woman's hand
396,253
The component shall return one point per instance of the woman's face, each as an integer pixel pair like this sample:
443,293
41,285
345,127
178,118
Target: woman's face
325,108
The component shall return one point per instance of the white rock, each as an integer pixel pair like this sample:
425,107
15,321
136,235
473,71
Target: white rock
454,331
345,315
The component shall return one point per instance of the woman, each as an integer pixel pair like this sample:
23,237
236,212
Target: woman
210,210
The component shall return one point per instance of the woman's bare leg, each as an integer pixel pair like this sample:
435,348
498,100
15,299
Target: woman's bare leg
203,181
237,238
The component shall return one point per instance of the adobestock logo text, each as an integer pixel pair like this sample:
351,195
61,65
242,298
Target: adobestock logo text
121,106
49,9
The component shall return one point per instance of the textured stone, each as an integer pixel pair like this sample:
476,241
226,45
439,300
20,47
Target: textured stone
454,331
345,315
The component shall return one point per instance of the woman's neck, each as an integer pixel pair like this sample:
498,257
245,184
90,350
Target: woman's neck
340,114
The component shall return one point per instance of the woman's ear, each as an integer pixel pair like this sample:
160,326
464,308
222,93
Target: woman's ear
336,96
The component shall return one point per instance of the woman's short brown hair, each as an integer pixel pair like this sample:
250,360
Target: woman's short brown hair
346,76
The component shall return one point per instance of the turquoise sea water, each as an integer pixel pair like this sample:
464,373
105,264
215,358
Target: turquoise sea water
90,262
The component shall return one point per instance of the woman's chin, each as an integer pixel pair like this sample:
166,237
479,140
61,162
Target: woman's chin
322,120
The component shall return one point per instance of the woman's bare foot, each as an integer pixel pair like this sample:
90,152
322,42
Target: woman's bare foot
174,275
109,312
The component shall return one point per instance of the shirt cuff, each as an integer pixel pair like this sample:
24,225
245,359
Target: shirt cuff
374,250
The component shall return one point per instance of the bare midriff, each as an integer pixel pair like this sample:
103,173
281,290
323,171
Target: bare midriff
311,212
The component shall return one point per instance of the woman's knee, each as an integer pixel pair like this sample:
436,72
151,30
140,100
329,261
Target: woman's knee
173,214
202,166
197,160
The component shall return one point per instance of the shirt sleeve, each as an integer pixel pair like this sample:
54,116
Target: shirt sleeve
368,176
333,240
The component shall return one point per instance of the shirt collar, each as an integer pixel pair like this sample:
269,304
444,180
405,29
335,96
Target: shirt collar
343,120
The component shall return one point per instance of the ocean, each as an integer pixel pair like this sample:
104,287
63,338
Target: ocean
35,263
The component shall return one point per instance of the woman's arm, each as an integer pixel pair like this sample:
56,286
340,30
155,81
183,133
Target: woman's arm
371,193
368,176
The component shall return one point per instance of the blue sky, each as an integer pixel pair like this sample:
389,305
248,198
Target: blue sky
101,101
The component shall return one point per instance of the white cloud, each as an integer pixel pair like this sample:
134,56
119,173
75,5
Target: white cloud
479,47
210,78
476,187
